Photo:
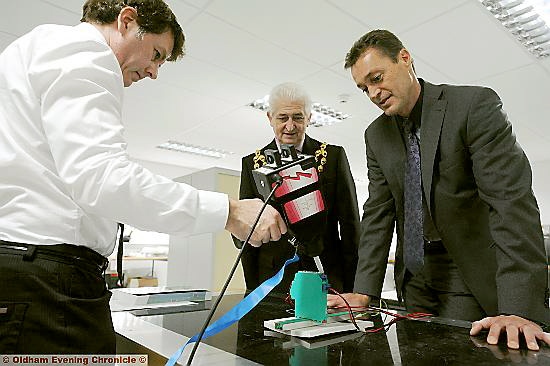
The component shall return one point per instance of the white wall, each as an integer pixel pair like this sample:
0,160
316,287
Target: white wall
166,170
541,188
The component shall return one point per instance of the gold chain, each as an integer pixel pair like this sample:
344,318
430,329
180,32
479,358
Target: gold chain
321,153
258,158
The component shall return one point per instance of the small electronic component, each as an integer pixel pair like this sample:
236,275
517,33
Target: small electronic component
298,198
309,292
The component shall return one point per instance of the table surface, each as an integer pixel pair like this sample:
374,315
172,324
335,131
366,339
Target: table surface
408,342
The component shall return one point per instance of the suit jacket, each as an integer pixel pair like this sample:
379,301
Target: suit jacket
477,183
335,241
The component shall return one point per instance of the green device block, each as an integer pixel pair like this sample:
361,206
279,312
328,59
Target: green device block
309,291
303,356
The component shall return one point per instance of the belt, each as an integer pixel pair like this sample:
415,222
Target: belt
67,252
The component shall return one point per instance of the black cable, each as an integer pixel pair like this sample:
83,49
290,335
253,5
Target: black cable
351,316
119,256
278,183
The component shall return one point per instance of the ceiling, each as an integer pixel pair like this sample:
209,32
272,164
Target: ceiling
238,50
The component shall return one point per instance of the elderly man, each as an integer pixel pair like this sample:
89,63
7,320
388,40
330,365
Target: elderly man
335,241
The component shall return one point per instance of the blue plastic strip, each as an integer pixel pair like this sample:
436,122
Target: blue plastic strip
238,311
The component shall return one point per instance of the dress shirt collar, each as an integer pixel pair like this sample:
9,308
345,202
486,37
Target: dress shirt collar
416,113
299,148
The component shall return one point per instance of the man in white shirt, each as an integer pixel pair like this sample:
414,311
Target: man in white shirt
67,180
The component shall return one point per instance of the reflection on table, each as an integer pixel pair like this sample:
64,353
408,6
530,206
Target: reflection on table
408,342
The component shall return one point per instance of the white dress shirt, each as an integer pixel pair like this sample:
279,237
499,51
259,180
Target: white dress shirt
65,176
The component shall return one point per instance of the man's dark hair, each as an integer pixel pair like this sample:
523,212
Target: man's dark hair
379,39
154,16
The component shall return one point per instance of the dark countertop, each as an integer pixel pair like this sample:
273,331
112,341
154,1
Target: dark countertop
408,342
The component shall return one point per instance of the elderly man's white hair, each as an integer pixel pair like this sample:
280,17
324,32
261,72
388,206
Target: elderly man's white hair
289,92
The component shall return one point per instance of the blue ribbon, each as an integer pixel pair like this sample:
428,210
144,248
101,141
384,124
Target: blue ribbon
238,311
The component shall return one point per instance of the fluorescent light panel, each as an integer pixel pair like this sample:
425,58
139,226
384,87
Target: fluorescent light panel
527,20
194,149
321,115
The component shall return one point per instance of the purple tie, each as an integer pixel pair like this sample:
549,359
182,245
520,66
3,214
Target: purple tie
414,241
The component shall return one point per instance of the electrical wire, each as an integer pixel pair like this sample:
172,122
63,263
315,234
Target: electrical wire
384,307
376,310
351,316
396,317
277,184
289,300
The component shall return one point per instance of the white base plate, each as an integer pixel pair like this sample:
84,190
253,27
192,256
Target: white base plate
314,329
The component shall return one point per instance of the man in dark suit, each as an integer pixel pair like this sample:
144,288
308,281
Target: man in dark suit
481,251
335,239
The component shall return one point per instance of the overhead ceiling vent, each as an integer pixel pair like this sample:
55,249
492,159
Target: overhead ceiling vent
527,20
194,149
321,115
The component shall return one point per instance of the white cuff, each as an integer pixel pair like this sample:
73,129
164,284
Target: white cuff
214,209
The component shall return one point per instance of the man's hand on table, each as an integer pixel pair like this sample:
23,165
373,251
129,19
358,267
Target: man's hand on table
514,326
353,299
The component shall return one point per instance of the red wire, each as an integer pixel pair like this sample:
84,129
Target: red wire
288,300
397,317
351,317
353,307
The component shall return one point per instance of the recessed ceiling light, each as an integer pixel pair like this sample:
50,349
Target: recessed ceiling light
321,115
194,149
527,20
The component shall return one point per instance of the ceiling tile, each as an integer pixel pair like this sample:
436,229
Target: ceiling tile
541,188
392,16
313,29
164,111
423,70
18,20
535,146
546,64
183,10
211,80
431,74
196,3
481,50
525,93
241,131
74,7
190,161
215,42
325,87
5,40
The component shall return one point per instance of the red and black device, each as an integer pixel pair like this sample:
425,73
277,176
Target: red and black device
299,197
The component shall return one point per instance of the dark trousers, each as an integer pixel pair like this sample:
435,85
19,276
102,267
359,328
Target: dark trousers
438,289
53,300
